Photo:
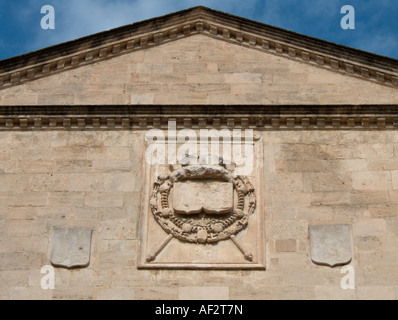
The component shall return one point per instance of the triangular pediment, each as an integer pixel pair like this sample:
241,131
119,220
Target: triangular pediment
198,56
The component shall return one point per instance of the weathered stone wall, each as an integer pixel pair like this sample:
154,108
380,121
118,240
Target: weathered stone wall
95,180
199,70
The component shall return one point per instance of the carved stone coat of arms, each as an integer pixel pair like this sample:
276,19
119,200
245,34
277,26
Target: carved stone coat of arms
208,215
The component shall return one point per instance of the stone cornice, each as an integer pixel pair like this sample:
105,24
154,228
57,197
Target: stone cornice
198,20
328,117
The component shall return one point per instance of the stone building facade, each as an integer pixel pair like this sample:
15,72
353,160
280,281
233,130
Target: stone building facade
78,193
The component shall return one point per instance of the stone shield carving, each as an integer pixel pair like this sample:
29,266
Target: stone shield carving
330,244
70,248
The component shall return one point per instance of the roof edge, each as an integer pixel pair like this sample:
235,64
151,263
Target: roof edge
144,117
197,20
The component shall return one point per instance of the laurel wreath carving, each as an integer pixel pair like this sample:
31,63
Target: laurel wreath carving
202,228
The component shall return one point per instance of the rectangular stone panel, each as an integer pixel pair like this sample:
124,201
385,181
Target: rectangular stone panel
203,221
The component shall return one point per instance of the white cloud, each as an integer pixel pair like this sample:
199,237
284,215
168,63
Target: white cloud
385,44
324,8
75,18
78,18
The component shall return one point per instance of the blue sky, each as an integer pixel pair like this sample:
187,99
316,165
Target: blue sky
376,22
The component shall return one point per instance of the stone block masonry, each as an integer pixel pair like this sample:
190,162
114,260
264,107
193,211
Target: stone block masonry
106,197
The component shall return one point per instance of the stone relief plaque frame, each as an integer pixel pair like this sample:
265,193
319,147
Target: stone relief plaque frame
192,232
